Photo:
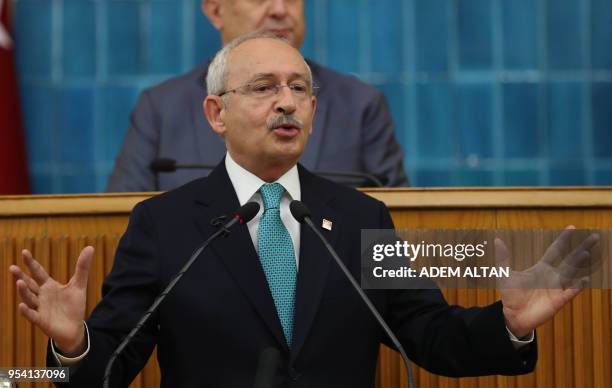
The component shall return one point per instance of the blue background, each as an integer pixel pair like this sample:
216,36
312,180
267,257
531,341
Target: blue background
483,92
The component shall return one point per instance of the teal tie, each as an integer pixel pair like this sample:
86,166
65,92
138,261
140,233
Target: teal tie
277,256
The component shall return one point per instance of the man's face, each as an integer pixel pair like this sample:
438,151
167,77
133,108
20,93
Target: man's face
234,18
266,131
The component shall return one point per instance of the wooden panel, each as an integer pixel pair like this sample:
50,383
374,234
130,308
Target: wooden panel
579,336
7,303
23,345
64,204
575,348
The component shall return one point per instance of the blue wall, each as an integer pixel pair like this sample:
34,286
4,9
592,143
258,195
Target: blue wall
483,92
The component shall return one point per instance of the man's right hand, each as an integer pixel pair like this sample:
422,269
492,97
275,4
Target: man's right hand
57,309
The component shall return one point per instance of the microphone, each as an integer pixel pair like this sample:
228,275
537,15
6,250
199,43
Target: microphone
349,178
269,361
243,215
301,213
170,165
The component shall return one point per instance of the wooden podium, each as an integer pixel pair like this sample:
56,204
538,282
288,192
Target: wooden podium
574,349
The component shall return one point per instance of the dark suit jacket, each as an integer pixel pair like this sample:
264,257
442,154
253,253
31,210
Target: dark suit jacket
212,328
352,131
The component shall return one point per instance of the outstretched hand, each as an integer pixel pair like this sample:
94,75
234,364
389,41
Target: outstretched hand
533,296
57,309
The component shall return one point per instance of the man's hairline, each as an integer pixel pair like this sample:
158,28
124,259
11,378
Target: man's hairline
255,36
273,38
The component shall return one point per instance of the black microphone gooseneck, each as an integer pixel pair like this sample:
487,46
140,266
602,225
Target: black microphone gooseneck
170,165
301,213
243,215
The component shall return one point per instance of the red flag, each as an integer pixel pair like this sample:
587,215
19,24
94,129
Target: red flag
13,165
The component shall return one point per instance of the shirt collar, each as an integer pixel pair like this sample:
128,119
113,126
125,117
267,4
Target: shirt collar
246,184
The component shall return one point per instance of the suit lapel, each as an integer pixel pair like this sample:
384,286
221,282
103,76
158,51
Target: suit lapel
315,261
236,251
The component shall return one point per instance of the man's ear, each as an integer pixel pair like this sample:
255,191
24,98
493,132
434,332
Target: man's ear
214,107
313,101
212,10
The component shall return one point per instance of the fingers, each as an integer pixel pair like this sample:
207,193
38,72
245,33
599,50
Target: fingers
579,260
29,298
30,314
19,274
585,247
560,246
581,283
81,273
502,259
502,256
571,265
590,241
38,272
575,288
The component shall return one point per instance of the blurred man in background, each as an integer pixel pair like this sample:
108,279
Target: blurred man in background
352,130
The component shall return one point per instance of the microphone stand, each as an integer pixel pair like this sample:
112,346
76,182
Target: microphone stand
305,217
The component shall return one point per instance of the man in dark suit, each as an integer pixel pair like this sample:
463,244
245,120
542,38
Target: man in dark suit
352,131
238,299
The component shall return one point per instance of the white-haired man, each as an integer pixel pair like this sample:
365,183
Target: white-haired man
270,284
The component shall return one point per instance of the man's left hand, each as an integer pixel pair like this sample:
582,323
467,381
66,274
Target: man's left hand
533,296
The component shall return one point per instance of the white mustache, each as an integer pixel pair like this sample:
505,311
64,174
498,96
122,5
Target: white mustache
281,120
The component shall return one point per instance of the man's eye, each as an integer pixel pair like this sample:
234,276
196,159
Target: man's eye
262,88
299,88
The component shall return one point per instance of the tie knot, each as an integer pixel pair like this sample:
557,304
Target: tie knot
271,194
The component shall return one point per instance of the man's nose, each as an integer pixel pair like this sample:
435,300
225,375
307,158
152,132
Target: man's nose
285,101
278,8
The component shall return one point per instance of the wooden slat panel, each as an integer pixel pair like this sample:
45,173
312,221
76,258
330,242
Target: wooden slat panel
569,354
582,338
21,227
24,342
467,298
150,374
97,273
545,370
575,349
493,197
7,302
483,298
602,337
42,252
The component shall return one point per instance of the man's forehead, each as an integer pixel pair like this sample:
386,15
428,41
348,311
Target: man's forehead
269,57
278,75
266,48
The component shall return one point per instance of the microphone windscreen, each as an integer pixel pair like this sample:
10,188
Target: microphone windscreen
247,211
299,211
163,165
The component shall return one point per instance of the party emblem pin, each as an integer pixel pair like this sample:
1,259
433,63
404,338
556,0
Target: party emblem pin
327,224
